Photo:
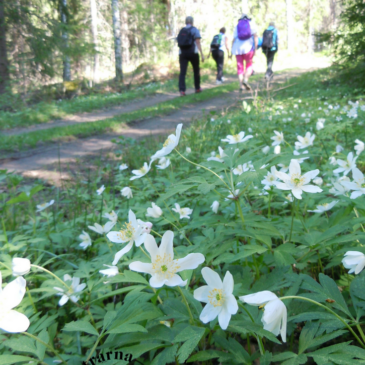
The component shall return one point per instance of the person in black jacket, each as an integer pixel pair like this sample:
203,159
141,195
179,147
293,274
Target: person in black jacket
270,38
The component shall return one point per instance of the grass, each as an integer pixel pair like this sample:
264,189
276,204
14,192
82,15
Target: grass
31,139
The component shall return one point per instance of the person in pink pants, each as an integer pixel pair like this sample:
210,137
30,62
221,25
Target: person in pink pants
244,45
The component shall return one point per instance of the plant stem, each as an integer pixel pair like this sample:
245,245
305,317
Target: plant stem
329,310
187,305
51,273
240,211
94,347
156,233
31,300
269,207
358,216
258,338
292,219
178,230
45,344
205,168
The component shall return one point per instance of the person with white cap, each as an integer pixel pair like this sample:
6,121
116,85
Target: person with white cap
244,45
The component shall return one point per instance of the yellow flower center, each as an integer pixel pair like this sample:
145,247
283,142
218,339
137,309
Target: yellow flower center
127,233
165,266
236,137
167,142
306,140
297,180
142,170
43,205
216,297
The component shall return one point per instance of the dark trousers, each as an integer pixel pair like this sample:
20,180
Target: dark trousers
218,57
270,60
184,59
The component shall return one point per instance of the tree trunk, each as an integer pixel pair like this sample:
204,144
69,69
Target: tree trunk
125,35
94,33
333,14
289,25
4,67
66,58
310,29
117,41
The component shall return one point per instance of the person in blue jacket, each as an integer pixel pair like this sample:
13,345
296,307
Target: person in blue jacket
270,43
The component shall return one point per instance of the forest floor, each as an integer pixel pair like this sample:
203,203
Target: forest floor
58,161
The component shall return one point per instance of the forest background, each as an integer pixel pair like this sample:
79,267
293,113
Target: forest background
45,42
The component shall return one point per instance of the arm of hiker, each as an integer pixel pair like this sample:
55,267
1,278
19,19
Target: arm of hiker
197,42
226,44
232,47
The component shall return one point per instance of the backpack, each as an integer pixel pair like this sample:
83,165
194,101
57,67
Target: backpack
268,39
216,42
244,30
185,39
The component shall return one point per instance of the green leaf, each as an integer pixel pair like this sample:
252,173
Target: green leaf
21,198
128,328
205,355
283,254
81,326
14,359
167,356
206,188
41,349
23,344
108,318
191,335
331,288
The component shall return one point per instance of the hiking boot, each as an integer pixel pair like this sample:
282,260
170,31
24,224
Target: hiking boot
218,82
246,85
223,79
182,93
197,91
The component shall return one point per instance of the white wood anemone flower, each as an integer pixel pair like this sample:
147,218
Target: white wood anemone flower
43,206
237,138
10,297
270,178
304,142
278,138
141,172
360,146
113,217
355,261
184,212
127,192
86,240
218,296
219,157
240,169
122,167
132,232
71,292
296,182
20,266
170,144
215,206
100,190
164,163
102,229
163,268
146,226
112,271
324,207
346,166
358,185
154,212
275,313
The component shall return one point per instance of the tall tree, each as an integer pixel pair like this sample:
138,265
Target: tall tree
94,33
66,58
4,66
289,25
117,41
125,34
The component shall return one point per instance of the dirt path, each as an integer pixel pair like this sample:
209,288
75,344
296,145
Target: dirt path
43,162
97,115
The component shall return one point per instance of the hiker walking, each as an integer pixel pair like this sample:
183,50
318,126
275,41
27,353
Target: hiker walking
189,42
219,43
244,45
270,41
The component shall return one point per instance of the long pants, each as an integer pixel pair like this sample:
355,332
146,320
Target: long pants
184,59
270,60
218,57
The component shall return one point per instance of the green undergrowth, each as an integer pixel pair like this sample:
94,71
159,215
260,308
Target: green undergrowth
44,112
31,139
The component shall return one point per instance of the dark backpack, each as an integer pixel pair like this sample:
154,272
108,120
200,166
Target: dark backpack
185,39
268,39
244,30
216,42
